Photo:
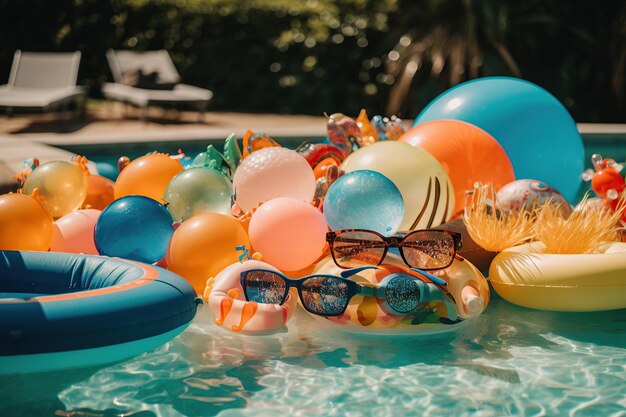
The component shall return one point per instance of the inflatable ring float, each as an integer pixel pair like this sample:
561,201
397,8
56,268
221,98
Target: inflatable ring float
230,309
526,276
467,296
60,310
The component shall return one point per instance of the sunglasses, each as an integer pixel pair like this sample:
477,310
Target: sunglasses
329,295
423,249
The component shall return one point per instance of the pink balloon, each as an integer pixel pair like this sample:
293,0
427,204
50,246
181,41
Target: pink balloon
271,173
73,233
289,233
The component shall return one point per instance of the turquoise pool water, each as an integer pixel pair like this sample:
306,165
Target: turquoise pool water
510,361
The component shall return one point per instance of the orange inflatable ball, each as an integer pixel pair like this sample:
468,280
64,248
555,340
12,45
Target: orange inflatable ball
99,192
466,152
148,175
203,245
25,224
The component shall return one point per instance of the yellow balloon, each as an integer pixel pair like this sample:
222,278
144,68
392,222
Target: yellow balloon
62,184
425,187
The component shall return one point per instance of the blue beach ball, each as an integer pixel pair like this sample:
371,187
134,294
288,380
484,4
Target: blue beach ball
134,227
364,199
534,128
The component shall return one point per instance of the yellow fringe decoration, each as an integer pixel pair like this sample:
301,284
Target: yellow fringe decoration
584,231
492,229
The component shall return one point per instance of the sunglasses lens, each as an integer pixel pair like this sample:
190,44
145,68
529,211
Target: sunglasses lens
264,287
355,248
326,296
402,294
428,249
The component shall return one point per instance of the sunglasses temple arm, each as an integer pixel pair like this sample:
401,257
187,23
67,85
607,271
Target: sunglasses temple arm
350,272
431,277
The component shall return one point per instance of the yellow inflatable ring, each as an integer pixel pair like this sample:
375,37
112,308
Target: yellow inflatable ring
468,287
526,276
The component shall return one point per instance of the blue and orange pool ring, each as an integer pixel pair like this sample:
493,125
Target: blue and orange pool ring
61,310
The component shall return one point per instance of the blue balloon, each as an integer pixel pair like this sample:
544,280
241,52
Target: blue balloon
534,128
364,199
134,227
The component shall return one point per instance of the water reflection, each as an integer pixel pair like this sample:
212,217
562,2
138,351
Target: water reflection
511,360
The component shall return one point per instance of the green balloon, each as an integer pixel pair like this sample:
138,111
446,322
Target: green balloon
196,191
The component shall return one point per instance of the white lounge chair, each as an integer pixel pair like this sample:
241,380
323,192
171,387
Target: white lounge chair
160,66
42,81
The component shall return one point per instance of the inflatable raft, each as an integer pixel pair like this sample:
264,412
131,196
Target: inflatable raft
526,276
61,311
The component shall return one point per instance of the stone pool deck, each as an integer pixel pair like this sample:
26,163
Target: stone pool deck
109,123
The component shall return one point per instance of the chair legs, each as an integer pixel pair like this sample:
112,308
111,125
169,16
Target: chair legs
202,113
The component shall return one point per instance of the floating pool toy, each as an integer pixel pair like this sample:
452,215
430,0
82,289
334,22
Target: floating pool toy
253,142
388,128
465,295
231,310
204,245
99,192
466,152
289,233
607,182
148,175
214,160
343,132
60,311
529,194
527,276
368,131
318,152
74,232
530,123
62,184
25,223
425,187
364,199
196,191
134,227
270,173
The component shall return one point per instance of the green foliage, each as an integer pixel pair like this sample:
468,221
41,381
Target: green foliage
318,56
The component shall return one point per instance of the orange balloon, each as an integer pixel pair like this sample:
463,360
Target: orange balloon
99,192
320,169
204,245
24,223
148,175
467,153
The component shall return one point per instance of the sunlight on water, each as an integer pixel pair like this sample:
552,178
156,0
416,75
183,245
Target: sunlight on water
510,361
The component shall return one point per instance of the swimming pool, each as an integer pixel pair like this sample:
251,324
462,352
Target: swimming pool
509,361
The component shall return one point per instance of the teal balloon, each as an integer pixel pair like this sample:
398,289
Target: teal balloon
134,227
196,191
364,199
534,128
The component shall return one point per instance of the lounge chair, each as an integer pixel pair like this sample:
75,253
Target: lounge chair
42,81
150,78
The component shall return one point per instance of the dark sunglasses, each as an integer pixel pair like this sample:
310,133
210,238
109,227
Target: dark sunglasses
423,249
329,295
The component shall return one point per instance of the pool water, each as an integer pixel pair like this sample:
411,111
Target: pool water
510,361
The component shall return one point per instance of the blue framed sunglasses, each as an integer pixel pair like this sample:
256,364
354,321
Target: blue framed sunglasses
329,295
